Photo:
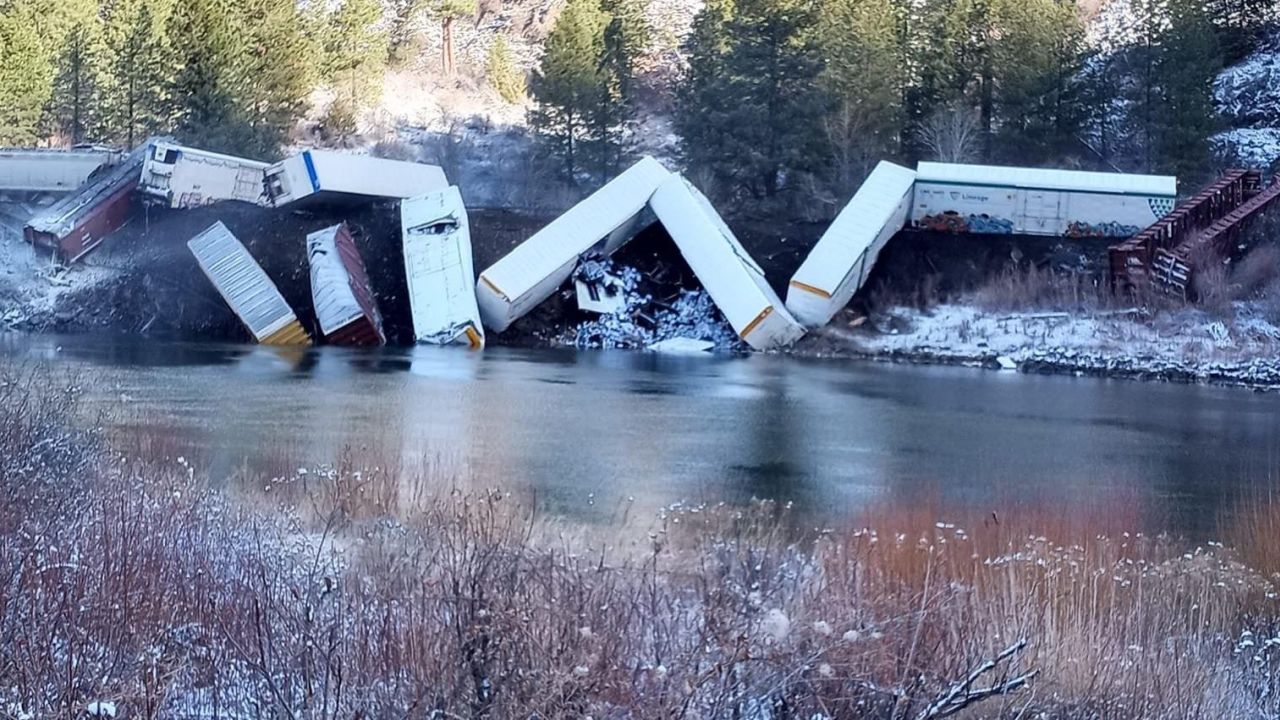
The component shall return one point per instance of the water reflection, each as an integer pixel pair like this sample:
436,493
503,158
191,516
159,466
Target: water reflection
587,431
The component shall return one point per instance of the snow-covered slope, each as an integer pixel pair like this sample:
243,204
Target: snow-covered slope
1248,96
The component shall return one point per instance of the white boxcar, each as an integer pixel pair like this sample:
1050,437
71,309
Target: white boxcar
183,177
733,280
344,302
839,263
246,288
34,170
329,176
600,224
1029,201
440,270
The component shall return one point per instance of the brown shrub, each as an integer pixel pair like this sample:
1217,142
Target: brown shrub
1032,288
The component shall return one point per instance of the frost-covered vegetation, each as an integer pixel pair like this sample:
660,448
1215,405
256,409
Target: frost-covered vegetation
131,585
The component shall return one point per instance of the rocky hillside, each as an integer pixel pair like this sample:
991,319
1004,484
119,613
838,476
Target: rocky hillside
1248,96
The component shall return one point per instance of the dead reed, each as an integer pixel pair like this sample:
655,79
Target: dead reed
365,596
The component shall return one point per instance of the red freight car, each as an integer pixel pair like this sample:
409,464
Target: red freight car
344,302
78,222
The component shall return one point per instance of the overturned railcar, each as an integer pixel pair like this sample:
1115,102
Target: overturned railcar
44,170
79,222
245,287
340,291
183,177
598,225
840,262
326,176
733,280
440,270
1031,201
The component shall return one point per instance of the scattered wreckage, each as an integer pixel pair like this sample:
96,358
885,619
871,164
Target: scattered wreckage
605,221
720,298
598,225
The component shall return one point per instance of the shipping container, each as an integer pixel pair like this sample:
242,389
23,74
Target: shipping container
183,177
326,176
840,262
440,270
598,225
734,281
246,288
79,222
40,170
340,290
1030,201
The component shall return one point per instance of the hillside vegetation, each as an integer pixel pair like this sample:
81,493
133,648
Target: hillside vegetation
776,104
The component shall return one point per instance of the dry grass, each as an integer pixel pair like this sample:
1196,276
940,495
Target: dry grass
375,598
1032,288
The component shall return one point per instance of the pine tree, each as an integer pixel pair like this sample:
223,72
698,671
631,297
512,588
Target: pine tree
1187,62
625,39
279,73
502,73
864,77
135,91
702,94
404,13
205,93
356,51
449,11
571,84
26,75
75,105
1037,61
762,109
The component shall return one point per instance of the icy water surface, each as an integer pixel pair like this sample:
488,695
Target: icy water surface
583,432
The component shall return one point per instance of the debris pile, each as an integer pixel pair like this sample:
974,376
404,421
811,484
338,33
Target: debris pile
650,313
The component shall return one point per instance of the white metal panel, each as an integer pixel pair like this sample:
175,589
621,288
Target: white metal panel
839,263
186,177
323,172
32,170
602,222
726,271
440,269
335,302
1048,179
241,281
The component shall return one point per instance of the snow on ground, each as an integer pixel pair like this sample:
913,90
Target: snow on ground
30,283
1248,96
1185,344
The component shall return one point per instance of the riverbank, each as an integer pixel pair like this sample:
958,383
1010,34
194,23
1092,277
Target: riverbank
349,590
1186,344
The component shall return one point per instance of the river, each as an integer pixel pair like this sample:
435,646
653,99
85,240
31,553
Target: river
587,432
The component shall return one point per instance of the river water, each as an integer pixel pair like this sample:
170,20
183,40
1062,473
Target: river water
587,431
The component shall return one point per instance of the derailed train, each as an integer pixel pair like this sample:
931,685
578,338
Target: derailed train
450,304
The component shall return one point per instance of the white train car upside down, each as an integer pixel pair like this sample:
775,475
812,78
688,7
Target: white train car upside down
1029,201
